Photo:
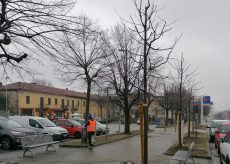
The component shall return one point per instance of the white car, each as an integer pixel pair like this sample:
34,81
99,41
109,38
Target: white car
41,126
225,149
101,128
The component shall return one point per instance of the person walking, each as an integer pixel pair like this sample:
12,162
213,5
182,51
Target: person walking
91,128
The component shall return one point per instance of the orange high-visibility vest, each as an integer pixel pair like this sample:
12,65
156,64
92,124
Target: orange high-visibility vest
92,126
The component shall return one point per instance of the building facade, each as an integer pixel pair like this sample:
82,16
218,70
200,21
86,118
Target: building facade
38,100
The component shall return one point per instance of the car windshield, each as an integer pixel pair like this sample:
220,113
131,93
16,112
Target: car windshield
46,122
216,124
225,128
75,123
81,121
9,124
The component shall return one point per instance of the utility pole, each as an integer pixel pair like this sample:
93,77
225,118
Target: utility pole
201,110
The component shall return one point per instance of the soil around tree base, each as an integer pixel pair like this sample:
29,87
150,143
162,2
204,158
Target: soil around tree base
200,148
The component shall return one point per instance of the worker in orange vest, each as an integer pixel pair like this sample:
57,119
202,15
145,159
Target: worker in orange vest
91,128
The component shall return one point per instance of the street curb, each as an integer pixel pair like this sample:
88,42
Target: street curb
195,156
105,142
208,156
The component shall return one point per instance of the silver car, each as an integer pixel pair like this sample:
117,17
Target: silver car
41,125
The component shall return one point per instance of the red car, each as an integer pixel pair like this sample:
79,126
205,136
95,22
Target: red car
221,132
73,127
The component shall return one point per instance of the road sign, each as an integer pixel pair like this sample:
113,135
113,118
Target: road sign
206,99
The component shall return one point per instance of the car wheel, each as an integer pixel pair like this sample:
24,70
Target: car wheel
221,159
227,161
6,143
78,135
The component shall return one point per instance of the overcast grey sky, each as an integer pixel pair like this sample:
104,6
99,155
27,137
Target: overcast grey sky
205,42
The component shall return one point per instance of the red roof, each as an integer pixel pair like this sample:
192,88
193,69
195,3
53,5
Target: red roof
45,89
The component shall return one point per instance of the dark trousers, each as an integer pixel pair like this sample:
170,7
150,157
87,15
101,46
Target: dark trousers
90,134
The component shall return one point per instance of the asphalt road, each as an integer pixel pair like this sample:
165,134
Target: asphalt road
215,155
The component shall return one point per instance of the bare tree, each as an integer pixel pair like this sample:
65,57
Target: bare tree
28,27
150,29
184,79
124,70
81,56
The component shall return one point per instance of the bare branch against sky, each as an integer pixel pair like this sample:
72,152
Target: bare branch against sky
205,40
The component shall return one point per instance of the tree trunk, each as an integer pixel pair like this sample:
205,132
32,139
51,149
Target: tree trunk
127,121
88,98
188,122
167,115
179,131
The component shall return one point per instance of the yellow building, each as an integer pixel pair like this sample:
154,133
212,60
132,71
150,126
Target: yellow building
45,101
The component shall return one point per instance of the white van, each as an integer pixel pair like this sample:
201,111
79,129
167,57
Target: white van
41,125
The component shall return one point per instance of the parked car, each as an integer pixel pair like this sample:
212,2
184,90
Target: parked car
80,120
100,128
73,127
225,149
41,125
11,131
221,132
214,125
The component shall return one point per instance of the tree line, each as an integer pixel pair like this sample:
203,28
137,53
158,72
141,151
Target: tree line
128,60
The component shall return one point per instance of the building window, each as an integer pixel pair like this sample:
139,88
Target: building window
42,103
78,103
62,103
67,102
49,101
56,101
72,104
83,103
27,99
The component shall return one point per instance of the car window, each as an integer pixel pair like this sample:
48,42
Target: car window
68,124
34,123
227,138
58,123
225,129
75,123
216,124
9,124
47,123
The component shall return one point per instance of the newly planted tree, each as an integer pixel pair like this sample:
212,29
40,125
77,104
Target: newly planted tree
150,29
